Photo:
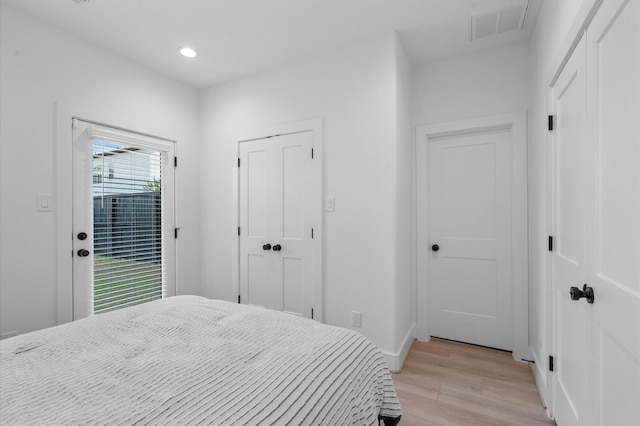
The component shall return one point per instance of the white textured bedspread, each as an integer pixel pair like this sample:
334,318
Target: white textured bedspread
189,360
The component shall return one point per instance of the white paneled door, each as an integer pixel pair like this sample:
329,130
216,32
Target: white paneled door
613,212
470,237
276,233
596,219
569,256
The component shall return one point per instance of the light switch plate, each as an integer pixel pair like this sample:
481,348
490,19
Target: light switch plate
330,204
44,202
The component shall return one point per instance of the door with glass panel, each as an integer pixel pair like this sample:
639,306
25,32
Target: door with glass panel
123,219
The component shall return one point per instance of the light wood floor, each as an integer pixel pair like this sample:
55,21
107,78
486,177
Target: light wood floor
449,383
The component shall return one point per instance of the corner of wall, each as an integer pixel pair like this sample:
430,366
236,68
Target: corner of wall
404,262
395,361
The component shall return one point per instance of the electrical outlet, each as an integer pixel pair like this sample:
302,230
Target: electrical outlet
356,319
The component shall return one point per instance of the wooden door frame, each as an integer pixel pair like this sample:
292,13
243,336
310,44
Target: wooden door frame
517,123
317,220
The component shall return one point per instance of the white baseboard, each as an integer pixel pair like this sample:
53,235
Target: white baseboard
540,379
395,361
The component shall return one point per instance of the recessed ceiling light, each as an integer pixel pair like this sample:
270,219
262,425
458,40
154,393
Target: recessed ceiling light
188,52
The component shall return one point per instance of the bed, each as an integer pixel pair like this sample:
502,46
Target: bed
190,360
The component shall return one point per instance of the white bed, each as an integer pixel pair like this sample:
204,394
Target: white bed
190,360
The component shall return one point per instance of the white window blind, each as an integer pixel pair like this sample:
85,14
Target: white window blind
129,265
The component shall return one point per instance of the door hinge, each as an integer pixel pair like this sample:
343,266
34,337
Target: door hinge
175,161
238,162
550,123
311,313
238,231
550,243
311,233
175,232
239,299
312,153
550,363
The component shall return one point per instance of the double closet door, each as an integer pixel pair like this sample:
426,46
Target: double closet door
596,223
275,202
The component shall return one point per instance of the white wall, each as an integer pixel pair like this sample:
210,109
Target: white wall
368,98
405,207
353,90
554,22
475,85
40,65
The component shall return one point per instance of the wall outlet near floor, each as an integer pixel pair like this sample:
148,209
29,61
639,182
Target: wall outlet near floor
356,319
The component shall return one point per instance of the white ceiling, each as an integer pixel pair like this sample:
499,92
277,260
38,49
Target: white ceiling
242,37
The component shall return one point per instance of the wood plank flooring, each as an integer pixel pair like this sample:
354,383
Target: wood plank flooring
446,383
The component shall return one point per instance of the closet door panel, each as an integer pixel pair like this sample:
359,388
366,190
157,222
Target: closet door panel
613,213
568,260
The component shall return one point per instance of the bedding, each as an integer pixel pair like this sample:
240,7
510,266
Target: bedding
189,360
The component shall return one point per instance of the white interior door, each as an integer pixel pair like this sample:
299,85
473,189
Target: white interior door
569,229
470,238
596,213
257,281
275,185
123,219
613,212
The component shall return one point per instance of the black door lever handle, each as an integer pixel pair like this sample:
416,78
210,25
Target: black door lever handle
266,247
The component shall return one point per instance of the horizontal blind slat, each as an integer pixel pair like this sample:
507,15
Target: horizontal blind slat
113,306
125,295
128,254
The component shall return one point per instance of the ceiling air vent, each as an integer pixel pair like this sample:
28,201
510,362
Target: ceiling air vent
499,21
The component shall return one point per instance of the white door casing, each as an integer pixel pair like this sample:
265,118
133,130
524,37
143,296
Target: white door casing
512,180
279,200
469,221
569,161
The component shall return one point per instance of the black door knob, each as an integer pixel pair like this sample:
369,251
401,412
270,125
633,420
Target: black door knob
277,247
435,247
266,247
587,292
83,253
82,235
